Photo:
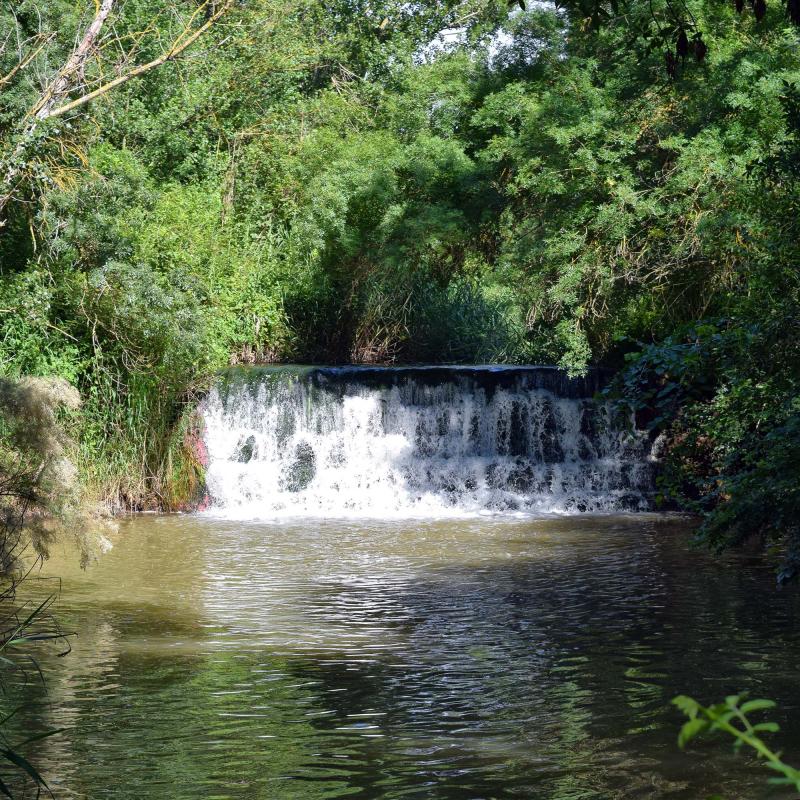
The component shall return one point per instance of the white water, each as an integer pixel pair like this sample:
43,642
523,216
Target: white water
286,445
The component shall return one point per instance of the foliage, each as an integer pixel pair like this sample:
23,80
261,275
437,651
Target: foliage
37,480
725,395
674,28
353,183
732,717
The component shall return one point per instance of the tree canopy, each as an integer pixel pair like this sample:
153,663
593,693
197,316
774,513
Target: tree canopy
581,184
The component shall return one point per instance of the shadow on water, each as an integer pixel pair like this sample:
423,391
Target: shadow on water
457,659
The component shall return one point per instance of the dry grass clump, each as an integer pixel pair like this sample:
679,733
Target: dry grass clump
40,494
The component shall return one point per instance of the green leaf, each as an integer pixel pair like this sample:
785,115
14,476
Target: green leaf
733,699
687,705
790,773
719,710
720,719
690,729
767,727
756,705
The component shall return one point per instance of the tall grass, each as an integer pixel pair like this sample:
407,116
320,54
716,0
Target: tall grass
138,445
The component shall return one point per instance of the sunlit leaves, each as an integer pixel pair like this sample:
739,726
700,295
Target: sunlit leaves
731,718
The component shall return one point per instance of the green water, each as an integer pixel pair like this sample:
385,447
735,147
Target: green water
457,659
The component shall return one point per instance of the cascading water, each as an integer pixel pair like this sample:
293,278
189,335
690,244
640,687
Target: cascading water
393,442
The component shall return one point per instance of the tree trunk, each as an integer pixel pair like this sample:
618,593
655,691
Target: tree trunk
60,85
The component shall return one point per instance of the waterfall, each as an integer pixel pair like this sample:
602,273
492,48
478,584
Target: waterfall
421,441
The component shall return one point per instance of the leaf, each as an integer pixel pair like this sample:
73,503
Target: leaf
719,710
687,705
756,705
733,699
721,718
767,727
25,766
789,772
690,729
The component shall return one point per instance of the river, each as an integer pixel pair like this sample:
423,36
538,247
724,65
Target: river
482,657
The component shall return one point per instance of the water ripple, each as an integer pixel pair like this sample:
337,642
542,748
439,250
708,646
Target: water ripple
455,659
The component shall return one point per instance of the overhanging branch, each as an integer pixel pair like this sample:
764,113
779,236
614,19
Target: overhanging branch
185,40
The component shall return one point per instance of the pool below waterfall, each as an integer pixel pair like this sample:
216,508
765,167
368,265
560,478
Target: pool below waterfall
452,658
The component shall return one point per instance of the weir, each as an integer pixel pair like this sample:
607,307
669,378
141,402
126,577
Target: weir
419,441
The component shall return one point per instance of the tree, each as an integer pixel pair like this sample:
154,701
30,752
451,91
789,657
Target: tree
675,27
85,72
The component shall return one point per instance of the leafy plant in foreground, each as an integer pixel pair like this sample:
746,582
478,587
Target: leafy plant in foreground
731,717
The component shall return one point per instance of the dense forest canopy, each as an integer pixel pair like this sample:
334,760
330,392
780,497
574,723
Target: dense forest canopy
384,182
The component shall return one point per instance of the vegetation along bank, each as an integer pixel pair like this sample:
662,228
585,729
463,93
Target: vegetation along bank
188,185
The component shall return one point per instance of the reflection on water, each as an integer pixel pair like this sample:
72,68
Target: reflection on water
456,659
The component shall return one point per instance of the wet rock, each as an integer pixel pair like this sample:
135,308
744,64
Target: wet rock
589,421
302,469
518,445
475,430
424,440
521,478
502,435
246,449
631,502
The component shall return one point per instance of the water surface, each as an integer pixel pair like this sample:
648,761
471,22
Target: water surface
483,658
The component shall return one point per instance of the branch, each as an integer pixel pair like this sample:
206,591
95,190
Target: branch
47,104
177,48
60,85
27,59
